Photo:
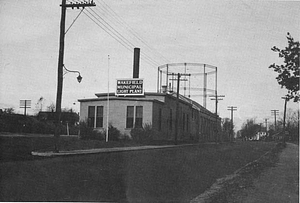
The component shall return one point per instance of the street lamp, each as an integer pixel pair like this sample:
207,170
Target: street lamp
79,78
64,7
58,103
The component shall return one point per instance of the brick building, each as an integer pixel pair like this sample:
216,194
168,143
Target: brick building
158,109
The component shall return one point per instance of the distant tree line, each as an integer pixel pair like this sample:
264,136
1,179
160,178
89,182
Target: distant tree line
42,123
250,128
227,129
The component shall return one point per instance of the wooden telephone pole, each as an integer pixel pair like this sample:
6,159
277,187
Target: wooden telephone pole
64,6
177,105
231,108
275,113
217,97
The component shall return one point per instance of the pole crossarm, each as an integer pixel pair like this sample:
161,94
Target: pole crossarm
79,5
216,97
232,108
275,112
181,74
177,79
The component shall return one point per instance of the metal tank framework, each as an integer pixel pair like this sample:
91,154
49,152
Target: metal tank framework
196,80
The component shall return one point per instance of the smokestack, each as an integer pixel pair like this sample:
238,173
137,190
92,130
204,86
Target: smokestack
136,62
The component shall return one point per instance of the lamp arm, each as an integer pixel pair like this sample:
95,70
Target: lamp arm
72,71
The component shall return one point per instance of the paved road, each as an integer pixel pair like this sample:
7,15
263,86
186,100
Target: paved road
158,175
277,184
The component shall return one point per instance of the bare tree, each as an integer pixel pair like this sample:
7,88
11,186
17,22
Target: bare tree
51,107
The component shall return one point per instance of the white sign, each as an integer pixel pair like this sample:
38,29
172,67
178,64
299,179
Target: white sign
25,103
132,86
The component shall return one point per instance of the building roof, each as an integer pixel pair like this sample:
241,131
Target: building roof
112,96
147,97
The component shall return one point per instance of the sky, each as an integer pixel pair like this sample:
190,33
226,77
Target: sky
235,36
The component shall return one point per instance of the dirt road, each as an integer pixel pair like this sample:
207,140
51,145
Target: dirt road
277,184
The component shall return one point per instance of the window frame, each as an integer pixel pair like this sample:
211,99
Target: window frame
91,116
138,118
129,120
99,117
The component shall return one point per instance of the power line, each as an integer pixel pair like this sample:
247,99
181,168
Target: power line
117,37
107,25
119,34
122,23
115,32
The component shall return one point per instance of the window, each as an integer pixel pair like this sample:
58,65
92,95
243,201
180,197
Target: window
171,120
159,119
91,116
99,116
139,117
129,117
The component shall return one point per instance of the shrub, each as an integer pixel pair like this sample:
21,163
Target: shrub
146,133
125,137
114,133
88,133
136,134
16,123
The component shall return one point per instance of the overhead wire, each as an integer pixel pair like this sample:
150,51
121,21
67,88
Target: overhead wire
113,32
116,35
116,38
107,25
106,7
122,24
125,39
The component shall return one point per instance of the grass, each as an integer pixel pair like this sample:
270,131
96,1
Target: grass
166,175
229,188
17,148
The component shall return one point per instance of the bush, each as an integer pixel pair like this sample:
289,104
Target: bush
146,133
125,137
114,133
88,133
16,123
136,134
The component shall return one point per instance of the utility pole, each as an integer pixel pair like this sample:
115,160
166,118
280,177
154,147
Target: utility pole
177,105
217,97
64,6
286,99
231,108
275,113
177,108
266,124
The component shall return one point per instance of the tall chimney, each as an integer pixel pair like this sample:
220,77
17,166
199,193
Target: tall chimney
136,62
